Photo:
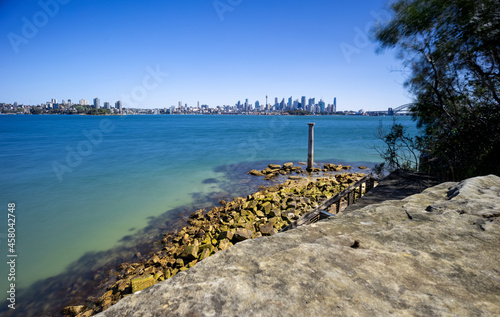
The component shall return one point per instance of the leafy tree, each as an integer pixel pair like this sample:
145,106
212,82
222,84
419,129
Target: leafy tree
36,110
452,48
401,151
299,112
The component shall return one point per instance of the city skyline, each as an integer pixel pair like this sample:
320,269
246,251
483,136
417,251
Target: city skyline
157,54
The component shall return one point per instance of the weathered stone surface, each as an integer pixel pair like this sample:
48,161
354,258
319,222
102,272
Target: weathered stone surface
432,254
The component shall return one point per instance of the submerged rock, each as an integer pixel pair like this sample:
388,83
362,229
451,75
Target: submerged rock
255,173
431,254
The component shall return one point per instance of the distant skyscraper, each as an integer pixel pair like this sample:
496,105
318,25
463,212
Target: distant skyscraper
118,105
69,102
290,103
106,105
54,100
321,105
257,105
334,104
303,102
84,102
97,103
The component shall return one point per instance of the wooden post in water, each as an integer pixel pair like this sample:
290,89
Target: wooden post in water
310,148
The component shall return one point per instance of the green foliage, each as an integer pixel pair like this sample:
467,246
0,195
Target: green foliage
100,111
36,110
299,112
401,151
453,50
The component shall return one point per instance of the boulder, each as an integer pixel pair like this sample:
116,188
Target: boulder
256,173
138,284
242,234
204,254
224,244
73,310
266,207
226,235
274,166
191,251
288,165
267,229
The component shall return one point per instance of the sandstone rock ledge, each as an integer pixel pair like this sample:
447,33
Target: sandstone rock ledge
432,254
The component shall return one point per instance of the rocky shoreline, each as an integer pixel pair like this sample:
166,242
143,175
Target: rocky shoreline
208,232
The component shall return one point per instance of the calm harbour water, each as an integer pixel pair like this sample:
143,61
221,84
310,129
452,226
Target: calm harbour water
85,184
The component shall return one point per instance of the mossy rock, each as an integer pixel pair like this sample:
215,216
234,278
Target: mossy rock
138,284
225,244
191,251
205,254
226,235
179,262
266,207
243,234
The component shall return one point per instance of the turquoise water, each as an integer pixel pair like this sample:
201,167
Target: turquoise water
81,183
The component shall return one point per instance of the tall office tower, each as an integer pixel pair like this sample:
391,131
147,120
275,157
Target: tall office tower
276,101
290,103
198,105
106,105
321,105
69,102
257,105
303,102
53,100
311,103
84,102
97,103
295,103
118,105
334,104
282,104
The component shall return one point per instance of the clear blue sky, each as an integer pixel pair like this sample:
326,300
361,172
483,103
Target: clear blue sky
215,52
